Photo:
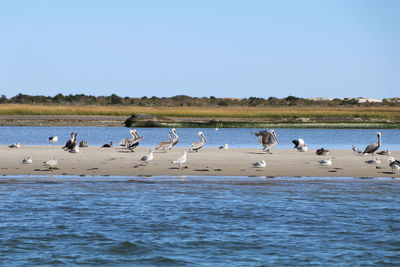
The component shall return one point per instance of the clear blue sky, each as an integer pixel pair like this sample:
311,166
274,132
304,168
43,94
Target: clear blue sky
329,48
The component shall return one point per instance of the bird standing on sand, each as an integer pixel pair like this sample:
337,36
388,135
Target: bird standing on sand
259,164
71,143
83,143
300,145
109,145
322,152
16,145
373,161
175,140
134,142
394,164
370,149
148,157
27,160
224,146
268,139
325,162
53,139
180,160
51,163
166,145
196,146
384,152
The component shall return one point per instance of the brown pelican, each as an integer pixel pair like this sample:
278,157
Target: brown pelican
71,142
322,152
53,139
175,140
300,145
148,157
325,162
373,161
124,142
259,164
199,144
16,145
394,164
109,145
180,160
268,139
166,145
370,149
134,142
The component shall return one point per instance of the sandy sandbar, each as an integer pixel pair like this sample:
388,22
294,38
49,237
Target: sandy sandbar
207,162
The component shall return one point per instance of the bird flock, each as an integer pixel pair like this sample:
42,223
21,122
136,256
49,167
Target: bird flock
267,138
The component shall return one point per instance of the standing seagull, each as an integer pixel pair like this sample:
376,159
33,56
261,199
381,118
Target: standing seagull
53,139
268,139
259,164
199,144
148,157
300,145
51,163
166,145
180,160
16,145
370,149
394,164
325,162
27,160
175,140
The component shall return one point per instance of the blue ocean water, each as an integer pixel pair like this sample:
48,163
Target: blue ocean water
199,221
237,137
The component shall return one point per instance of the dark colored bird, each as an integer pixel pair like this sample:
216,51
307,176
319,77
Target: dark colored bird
370,149
109,145
267,138
71,143
322,151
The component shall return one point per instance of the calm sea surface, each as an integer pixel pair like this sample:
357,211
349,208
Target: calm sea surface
241,137
199,221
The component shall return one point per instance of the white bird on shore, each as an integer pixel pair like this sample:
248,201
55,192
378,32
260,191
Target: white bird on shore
16,145
370,149
83,143
224,146
27,160
325,162
357,150
259,164
51,163
373,161
300,145
148,157
394,164
53,139
75,149
199,144
180,160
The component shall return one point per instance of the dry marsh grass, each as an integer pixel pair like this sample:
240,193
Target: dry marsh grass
205,112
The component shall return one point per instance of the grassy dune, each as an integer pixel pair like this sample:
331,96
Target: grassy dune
382,113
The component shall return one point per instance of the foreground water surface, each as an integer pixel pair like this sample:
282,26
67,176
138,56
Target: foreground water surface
235,137
199,221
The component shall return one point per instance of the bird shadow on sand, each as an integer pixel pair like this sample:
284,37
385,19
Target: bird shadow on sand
177,168
388,172
45,170
257,153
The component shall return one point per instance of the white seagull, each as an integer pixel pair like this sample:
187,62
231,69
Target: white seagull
16,145
325,162
300,145
394,164
53,139
27,160
51,163
373,161
148,157
259,164
199,144
180,160
224,146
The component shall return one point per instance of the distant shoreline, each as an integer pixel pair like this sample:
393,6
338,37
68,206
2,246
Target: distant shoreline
118,121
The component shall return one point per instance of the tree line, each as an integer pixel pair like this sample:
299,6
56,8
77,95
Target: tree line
183,100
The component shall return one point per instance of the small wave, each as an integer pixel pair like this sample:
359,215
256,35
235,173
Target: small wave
126,247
